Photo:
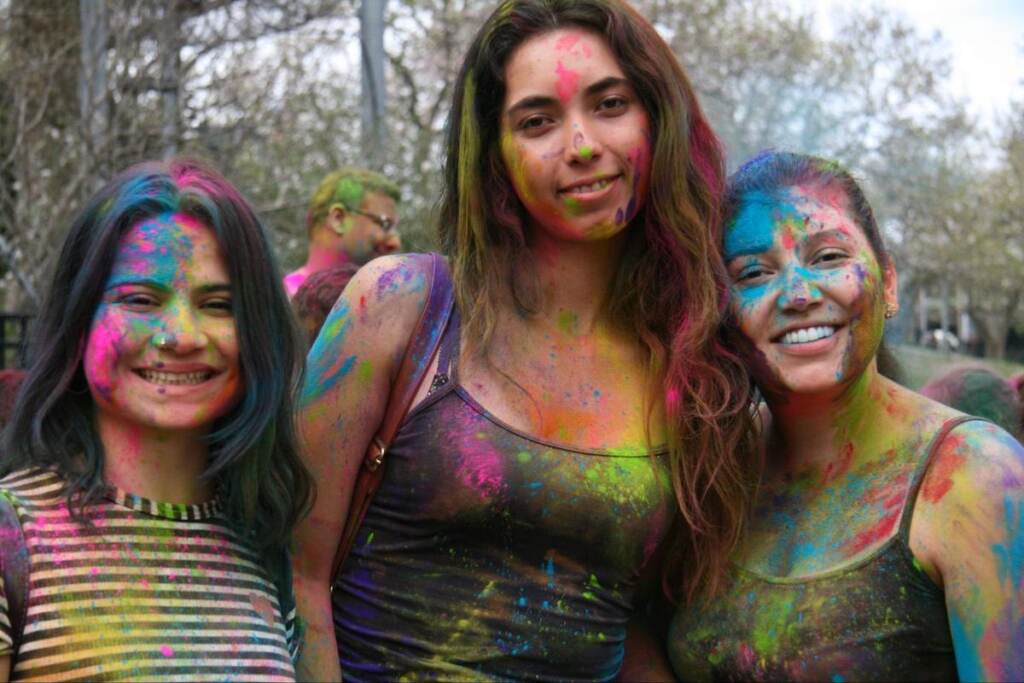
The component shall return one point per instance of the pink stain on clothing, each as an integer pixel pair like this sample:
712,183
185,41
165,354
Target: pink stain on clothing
166,651
568,83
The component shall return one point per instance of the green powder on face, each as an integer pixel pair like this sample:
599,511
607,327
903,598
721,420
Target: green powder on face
572,205
586,152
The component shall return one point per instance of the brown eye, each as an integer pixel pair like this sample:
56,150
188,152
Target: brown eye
829,256
138,300
534,124
613,104
220,306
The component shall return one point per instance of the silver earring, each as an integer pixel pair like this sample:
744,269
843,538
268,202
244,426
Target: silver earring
164,341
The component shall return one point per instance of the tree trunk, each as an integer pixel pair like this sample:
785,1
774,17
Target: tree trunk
170,83
92,85
374,101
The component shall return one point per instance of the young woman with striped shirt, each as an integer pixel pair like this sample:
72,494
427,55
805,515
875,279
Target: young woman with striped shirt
150,480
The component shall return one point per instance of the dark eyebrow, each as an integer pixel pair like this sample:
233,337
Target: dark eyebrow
541,101
838,235
532,102
214,287
604,84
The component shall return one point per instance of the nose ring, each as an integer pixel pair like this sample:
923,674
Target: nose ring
164,341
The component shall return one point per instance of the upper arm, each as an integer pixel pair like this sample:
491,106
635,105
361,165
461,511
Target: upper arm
348,380
971,509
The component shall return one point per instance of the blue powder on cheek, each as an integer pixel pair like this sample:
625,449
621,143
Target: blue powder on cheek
753,229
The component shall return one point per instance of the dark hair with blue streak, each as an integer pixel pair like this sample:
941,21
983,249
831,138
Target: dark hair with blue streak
773,172
263,486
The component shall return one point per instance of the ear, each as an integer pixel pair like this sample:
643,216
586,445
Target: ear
337,216
890,285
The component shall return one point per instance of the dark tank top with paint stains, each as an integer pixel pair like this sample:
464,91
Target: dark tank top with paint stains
491,554
878,618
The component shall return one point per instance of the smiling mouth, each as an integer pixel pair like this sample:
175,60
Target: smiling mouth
807,334
175,378
595,186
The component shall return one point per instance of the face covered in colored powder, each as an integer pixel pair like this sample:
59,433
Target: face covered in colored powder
362,235
162,350
808,290
574,136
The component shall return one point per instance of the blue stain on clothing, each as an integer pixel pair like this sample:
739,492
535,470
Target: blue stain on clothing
753,229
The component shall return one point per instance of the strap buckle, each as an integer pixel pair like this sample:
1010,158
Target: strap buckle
374,461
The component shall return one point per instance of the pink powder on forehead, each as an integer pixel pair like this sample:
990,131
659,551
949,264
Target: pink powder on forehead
568,83
567,41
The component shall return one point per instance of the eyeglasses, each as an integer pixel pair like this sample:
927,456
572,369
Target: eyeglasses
386,223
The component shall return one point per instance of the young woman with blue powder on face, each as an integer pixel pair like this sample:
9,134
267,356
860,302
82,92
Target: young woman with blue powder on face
887,540
151,477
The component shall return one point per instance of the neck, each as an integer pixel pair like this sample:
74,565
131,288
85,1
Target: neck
575,280
162,465
827,431
323,258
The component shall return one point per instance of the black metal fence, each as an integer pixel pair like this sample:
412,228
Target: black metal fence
13,339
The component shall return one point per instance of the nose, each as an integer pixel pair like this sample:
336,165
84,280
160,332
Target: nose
799,290
581,147
182,323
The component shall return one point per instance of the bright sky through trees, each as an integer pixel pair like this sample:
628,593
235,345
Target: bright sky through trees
985,37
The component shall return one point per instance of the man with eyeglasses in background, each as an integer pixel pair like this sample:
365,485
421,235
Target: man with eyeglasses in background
352,219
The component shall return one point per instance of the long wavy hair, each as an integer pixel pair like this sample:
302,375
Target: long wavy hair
254,462
671,284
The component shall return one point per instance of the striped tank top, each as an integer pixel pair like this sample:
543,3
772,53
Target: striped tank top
144,591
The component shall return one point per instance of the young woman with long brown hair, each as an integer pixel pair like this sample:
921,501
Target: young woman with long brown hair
528,492
887,540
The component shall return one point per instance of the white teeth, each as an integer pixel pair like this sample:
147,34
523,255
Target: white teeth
593,187
808,334
158,377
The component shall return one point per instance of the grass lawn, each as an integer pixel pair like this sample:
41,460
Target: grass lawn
920,364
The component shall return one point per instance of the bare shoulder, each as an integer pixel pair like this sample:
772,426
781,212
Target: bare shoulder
971,500
389,288
975,457
370,324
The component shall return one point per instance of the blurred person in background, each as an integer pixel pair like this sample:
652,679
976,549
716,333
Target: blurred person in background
352,218
978,390
316,297
10,380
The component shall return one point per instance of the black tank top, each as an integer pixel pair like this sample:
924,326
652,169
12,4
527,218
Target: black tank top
488,553
878,618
